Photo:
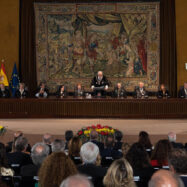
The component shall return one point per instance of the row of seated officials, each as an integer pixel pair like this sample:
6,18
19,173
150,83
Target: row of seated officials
93,158
118,92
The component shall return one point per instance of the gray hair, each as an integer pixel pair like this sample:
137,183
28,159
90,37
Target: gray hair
47,138
76,180
172,137
21,143
58,145
89,152
39,152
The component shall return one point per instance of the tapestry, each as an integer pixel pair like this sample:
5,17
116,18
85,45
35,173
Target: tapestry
74,41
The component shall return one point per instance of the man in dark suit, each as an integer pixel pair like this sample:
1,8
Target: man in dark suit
94,139
21,92
89,154
4,92
163,92
38,154
140,91
79,91
42,91
99,85
183,91
119,91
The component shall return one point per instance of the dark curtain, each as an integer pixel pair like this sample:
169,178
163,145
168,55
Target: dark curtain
168,65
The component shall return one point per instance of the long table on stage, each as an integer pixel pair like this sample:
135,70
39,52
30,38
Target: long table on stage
93,108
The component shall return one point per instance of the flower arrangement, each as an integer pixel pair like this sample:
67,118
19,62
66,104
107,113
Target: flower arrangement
2,130
103,131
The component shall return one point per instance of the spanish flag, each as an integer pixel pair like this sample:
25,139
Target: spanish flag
3,77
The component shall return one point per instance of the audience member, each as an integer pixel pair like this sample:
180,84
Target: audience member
74,150
125,148
166,178
139,160
55,168
68,137
47,139
89,154
172,139
4,168
118,140
76,180
58,145
119,174
38,154
178,163
94,139
160,154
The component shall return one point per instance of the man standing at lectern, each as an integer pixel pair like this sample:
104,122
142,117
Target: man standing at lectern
99,85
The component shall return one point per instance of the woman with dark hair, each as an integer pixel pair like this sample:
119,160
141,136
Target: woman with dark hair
4,168
160,154
163,92
139,160
74,150
62,92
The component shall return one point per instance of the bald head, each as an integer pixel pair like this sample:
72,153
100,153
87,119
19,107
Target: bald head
100,73
141,84
164,178
172,136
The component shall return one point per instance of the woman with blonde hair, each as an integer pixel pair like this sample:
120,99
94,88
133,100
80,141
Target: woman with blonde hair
119,174
55,168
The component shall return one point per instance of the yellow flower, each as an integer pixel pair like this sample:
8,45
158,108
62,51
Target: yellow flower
1,127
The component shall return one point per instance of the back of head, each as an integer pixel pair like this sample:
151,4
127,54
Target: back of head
118,136
68,135
47,138
89,153
93,135
144,139
21,144
109,142
119,174
58,145
74,146
76,180
172,137
165,178
55,168
39,152
178,160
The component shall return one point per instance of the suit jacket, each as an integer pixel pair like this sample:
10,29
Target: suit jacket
160,94
182,93
96,172
61,94
177,145
5,93
79,93
119,92
29,170
138,94
99,83
184,179
42,95
19,94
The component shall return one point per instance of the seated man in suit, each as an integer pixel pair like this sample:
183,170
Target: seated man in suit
4,92
163,92
21,92
140,91
94,139
62,92
183,91
79,91
119,91
42,91
99,85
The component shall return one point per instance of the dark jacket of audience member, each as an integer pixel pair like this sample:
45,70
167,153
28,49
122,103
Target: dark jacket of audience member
68,137
93,139
118,140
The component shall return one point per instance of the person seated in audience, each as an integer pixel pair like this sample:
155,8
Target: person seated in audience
159,157
4,92
94,139
163,178
99,85
183,91
120,174
109,154
118,140
20,157
77,181
140,91
172,139
47,139
139,160
68,137
62,92
79,91
163,92
89,154
21,92
119,91
58,145
178,163
5,170
74,150
42,91
39,152
145,141
125,148
55,168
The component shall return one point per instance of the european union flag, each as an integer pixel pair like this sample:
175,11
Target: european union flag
14,82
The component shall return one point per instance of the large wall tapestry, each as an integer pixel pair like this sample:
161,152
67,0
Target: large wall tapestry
74,41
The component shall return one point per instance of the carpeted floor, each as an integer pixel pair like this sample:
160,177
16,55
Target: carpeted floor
35,128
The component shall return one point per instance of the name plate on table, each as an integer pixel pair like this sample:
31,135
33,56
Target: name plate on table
99,88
